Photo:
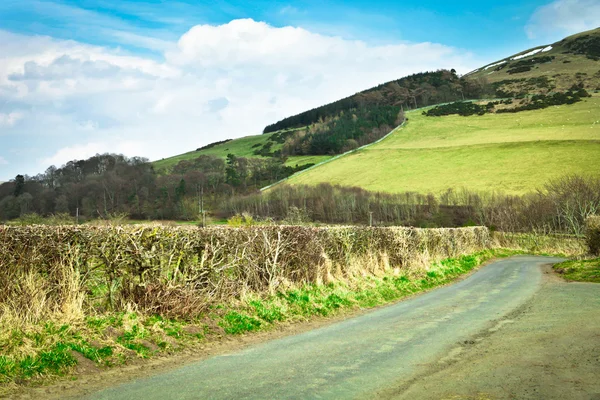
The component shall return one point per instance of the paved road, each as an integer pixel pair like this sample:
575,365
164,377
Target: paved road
359,357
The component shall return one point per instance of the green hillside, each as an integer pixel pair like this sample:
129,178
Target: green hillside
573,60
514,153
242,147
435,153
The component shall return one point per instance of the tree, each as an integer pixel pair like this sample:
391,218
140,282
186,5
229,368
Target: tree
231,172
19,185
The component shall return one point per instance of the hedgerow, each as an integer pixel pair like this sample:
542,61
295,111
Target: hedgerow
180,272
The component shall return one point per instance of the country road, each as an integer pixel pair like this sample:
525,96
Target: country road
507,331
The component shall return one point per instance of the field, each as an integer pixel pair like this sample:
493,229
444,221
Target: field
512,153
242,147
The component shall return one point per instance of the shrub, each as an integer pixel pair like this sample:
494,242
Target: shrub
592,234
181,271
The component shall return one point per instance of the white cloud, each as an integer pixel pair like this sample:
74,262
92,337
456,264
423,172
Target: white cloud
564,17
215,82
82,151
10,119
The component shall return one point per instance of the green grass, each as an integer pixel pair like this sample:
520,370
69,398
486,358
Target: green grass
580,270
511,153
303,160
242,147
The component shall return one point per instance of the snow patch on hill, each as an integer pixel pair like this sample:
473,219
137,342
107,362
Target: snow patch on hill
495,65
531,53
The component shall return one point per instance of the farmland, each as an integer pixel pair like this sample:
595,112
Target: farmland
242,147
513,153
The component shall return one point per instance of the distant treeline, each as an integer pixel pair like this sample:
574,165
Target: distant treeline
561,206
109,184
348,131
413,91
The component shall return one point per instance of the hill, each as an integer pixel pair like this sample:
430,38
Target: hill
316,135
542,69
514,153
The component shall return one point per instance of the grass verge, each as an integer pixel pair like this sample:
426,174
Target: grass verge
580,270
37,354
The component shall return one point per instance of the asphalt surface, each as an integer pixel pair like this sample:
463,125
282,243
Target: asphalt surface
379,354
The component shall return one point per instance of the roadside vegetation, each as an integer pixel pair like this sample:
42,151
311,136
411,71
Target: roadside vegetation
586,270
42,352
106,295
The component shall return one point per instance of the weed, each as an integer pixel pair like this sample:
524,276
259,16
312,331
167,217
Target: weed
235,323
580,270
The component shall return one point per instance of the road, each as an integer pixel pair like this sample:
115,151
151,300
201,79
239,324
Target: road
441,344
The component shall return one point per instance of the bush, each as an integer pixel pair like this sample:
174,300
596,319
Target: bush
463,108
592,234
181,271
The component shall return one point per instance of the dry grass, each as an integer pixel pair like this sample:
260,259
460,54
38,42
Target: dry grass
51,271
565,245
111,293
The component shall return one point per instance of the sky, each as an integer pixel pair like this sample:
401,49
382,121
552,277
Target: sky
158,78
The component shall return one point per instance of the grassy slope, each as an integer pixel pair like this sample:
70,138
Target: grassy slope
580,270
577,64
241,147
514,153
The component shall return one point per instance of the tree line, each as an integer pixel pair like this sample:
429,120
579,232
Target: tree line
559,206
109,184
417,90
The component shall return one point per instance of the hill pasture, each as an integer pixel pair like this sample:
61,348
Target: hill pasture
511,153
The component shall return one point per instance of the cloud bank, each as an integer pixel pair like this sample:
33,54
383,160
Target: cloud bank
564,17
62,100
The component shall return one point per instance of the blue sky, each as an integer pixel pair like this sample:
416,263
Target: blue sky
158,78
488,28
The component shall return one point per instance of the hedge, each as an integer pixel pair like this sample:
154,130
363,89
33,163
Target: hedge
183,271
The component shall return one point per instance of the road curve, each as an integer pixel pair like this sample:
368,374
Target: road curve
359,356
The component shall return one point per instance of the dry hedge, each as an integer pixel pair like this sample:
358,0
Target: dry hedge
177,271
592,234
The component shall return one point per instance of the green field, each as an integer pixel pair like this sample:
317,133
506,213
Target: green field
512,153
241,147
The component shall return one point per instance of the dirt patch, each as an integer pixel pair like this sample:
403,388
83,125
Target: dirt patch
85,366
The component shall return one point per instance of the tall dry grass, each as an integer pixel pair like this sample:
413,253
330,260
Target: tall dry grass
68,271
567,245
